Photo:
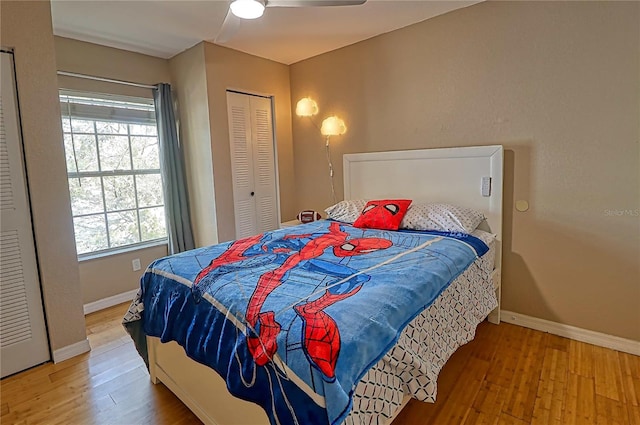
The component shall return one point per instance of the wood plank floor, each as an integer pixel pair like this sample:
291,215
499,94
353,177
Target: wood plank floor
506,375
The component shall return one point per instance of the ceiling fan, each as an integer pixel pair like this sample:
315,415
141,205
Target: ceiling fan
253,9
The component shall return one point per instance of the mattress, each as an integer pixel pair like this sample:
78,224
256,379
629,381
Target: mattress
412,366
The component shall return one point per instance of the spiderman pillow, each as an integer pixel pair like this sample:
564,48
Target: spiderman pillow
383,214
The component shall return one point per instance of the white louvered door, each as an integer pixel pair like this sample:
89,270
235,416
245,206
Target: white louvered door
253,164
264,170
239,111
23,337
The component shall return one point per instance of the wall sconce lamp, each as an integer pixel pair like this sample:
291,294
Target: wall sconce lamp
306,107
331,126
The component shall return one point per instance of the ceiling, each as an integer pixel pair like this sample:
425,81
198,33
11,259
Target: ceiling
286,35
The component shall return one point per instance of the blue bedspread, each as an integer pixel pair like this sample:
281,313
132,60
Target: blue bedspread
292,319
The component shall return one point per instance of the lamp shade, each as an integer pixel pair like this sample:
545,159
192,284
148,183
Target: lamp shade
306,107
333,126
247,9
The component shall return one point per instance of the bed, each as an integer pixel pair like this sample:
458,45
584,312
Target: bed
395,365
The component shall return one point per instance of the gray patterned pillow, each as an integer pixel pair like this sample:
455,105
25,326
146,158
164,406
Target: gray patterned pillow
441,217
346,211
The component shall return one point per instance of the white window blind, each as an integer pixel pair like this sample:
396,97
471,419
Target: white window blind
123,109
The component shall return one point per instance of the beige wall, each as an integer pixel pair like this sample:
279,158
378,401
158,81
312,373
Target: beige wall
230,69
188,72
112,275
200,77
101,61
557,84
26,27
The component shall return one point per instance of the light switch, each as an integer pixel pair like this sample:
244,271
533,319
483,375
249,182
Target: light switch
486,186
136,264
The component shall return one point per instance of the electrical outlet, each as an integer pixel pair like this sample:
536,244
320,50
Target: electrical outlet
136,264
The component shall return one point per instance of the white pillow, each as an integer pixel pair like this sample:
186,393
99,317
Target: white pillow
441,217
346,211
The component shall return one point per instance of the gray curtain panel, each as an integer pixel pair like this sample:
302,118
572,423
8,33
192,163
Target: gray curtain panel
173,176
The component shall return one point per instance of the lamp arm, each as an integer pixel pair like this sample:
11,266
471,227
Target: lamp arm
328,152
314,123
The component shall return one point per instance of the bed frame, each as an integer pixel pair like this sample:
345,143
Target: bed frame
452,175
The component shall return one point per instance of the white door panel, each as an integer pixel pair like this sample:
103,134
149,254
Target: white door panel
264,164
253,164
242,164
23,338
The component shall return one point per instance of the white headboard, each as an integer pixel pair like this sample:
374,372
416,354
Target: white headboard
451,175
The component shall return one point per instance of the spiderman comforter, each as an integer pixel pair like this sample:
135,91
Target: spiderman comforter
292,319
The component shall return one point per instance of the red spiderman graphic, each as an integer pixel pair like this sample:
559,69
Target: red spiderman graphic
321,336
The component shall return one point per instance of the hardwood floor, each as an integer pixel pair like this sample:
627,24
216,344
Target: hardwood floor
109,385
506,375
513,375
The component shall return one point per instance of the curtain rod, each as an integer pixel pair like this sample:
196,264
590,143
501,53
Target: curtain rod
106,80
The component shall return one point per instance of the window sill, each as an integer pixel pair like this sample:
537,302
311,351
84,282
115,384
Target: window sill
123,250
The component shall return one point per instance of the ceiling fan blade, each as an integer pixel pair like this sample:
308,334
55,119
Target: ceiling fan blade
228,29
312,3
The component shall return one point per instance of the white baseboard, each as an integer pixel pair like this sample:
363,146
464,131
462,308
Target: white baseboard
72,350
109,301
596,338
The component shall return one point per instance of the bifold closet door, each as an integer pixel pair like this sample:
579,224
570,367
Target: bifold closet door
23,337
253,164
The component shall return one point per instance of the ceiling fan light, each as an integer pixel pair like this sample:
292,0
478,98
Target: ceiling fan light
247,9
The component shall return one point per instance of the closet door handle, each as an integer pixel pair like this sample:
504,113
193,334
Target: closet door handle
253,193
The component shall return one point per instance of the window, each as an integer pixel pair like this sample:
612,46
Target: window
113,165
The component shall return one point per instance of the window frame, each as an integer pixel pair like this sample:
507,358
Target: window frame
138,117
